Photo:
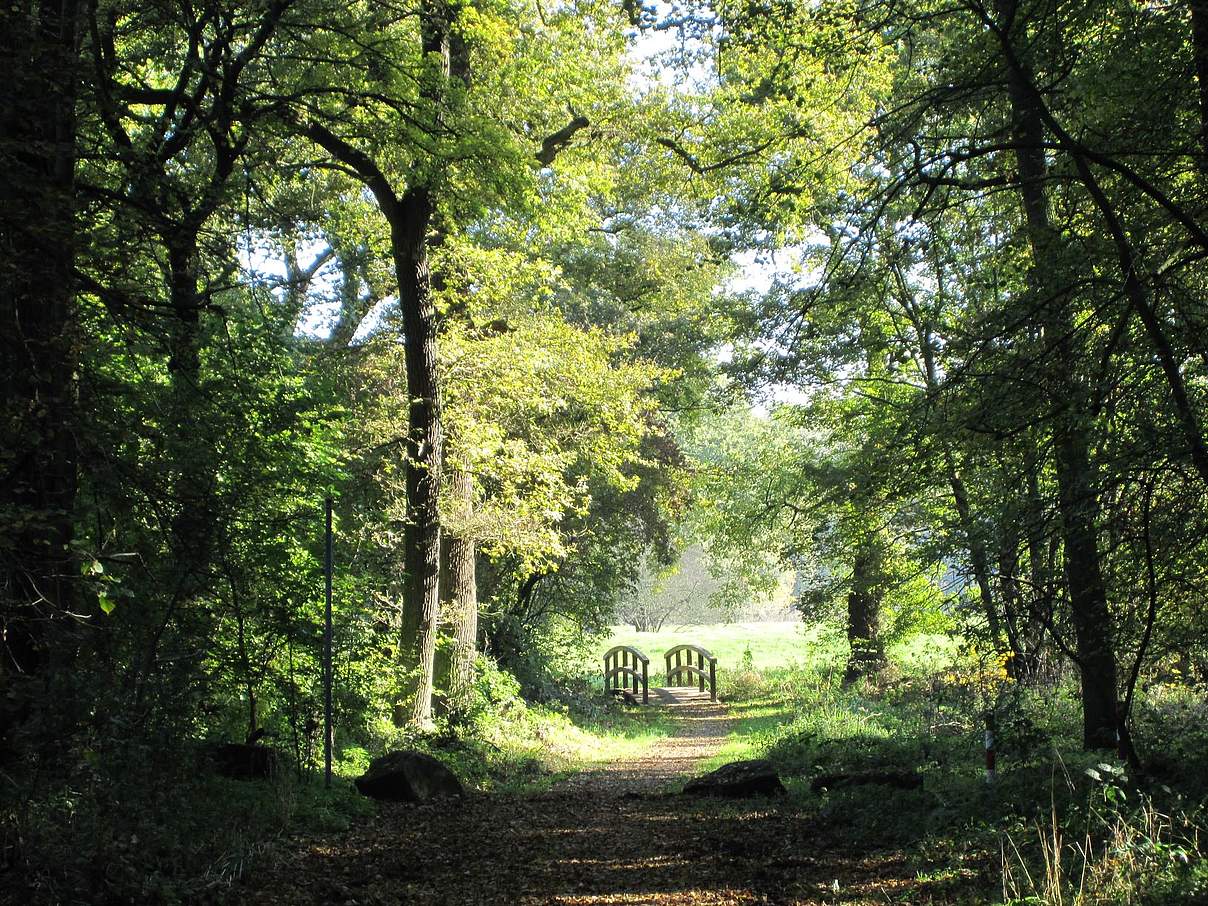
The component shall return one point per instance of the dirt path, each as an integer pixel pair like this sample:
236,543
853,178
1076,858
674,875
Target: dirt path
701,728
608,836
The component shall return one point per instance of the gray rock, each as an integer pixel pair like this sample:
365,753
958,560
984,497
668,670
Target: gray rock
738,780
408,777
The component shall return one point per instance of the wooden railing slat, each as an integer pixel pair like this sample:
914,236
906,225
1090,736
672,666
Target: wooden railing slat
625,667
701,656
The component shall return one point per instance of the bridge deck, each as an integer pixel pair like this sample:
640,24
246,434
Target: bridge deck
677,695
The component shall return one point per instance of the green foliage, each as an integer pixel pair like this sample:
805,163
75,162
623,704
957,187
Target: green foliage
980,360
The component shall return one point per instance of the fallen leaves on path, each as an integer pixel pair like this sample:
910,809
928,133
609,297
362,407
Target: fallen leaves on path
605,837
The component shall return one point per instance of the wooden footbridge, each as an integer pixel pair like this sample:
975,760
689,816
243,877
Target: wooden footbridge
626,669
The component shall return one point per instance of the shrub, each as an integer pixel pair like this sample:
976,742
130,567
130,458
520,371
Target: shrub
746,682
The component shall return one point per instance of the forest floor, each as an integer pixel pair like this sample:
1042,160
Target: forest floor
620,834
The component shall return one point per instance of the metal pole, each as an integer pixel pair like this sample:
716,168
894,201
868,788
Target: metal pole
327,671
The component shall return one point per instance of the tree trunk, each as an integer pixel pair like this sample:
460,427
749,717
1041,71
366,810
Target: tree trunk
38,60
1199,47
425,445
189,455
410,218
193,526
1077,500
867,655
978,557
461,594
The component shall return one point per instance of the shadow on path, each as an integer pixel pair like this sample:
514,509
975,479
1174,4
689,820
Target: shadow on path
607,836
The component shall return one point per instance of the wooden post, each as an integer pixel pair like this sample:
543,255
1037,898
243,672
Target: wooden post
327,666
713,679
645,683
701,685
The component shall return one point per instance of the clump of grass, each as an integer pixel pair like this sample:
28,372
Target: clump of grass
1124,857
744,683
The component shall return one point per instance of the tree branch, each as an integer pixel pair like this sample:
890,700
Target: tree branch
358,160
553,144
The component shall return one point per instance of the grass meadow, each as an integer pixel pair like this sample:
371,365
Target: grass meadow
774,646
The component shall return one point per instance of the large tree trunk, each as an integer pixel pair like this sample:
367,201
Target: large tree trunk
425,445
1199,47
38,60
1077,501
192,529
189,455
867,654
410,218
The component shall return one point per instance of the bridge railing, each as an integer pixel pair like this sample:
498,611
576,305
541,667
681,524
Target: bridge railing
687,673
624,668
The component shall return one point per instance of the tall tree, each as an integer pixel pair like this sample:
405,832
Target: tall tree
1050,283
39,66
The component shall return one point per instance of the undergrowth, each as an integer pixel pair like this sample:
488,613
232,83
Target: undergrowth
155,824
1056,827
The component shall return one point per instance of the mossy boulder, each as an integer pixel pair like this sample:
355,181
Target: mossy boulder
408,776
738,780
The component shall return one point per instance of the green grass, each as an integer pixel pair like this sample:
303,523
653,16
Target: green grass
924,715
520,747
756,726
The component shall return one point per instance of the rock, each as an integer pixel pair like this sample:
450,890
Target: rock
737,780
245,762
902,780
408,777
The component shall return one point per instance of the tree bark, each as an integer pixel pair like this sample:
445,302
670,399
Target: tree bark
1077,501
461,599
867,655
409,224
1199,47
38,60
